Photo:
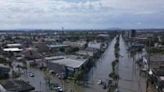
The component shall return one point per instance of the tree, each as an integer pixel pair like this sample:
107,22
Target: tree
72,50
62,49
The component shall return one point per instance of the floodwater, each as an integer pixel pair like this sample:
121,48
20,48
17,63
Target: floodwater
130,80
99,72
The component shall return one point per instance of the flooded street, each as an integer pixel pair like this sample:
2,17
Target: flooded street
99,72
81,46
130,80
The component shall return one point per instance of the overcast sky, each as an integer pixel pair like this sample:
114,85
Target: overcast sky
81,14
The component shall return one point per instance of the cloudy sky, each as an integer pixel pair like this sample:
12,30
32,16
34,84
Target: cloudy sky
81,14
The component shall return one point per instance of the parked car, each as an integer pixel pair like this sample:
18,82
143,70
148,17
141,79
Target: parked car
31,74
59,89
99,82
55,86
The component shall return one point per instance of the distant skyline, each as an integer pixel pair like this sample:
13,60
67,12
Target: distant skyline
81,14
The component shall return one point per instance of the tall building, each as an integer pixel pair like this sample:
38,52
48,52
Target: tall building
133,33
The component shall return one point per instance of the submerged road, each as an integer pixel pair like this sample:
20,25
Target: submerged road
99,72
130,80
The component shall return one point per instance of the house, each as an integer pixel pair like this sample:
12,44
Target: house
15,86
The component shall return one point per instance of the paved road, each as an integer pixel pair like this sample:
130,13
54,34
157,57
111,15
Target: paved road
38,81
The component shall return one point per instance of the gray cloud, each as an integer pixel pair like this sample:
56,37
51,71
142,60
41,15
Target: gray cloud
84,13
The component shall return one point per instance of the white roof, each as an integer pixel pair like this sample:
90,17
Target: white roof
57,46
103,35
73,63
15,44
12,49
94,45
54,57
161,77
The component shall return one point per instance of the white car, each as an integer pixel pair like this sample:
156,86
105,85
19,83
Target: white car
99,82
31,74
59,89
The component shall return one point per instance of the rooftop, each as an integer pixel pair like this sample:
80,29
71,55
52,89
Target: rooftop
103,35
73,63
54,57
161,78
17,86
12,49
57,46
13,45
94,45
85,53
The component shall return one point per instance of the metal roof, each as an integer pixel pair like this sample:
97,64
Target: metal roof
73,63
12,49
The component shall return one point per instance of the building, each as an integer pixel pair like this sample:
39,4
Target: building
79,44
4,71
157,61
12,49
31,53
102,37
133,33
157,78
65,64
14,45
94,45
15,86
57,47
85,53
40,46
157,67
